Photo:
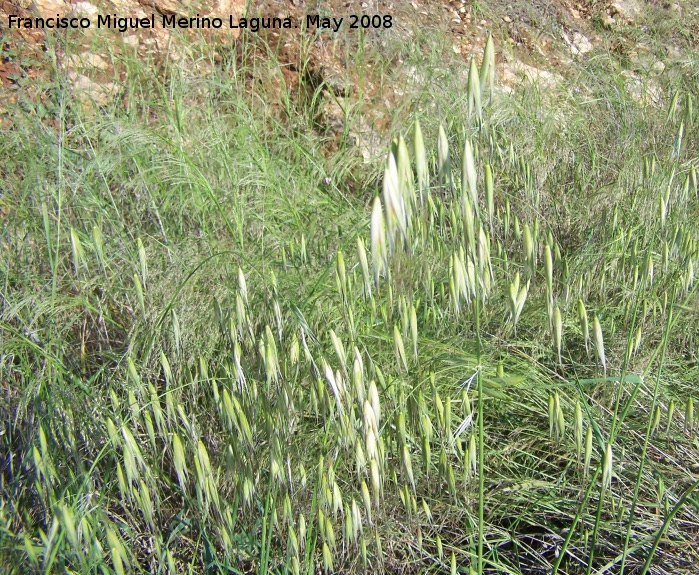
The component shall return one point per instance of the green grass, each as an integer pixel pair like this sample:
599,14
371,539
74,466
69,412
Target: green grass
159,416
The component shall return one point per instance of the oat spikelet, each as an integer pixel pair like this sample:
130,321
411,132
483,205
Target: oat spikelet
364,264
378,242
487,72
396,214
474,91
558,333
599,343
334,386
423,176
443,163
468,174
584,326
413,329
578,428
242,286
588,450
399,348
607,468
489,194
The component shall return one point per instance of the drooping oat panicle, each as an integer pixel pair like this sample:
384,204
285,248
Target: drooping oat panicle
689,415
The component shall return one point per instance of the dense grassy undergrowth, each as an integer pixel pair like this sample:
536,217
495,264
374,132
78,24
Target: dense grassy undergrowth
219,357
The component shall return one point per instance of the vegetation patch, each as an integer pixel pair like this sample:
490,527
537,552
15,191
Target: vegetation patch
232,342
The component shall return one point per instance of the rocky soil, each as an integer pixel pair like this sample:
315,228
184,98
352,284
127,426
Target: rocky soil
537,41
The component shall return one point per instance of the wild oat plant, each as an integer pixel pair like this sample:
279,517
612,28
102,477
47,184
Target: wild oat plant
213,363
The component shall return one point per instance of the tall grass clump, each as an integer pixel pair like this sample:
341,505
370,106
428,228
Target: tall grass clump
217,357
